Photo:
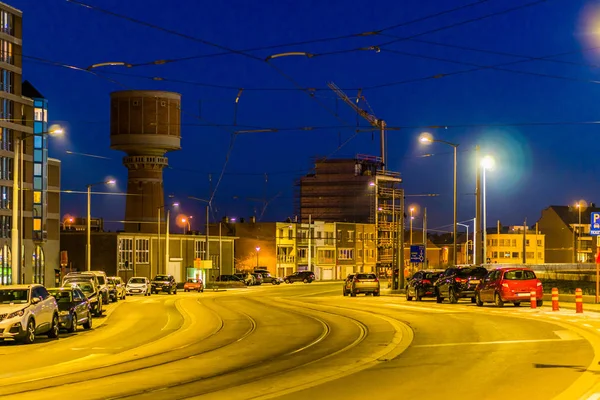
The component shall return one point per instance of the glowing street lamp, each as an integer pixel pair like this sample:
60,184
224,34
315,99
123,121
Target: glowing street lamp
257,251
427,138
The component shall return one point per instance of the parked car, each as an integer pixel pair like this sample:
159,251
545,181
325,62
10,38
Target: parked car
366,283
138,285
73,308
303,276
422,285
267,278
164,283
348,284
459,282
112,290
258,278
100,282
27,311
119,286
229,278
504,285
193,284
87,284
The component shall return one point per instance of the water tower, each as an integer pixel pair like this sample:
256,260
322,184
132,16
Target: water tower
145,124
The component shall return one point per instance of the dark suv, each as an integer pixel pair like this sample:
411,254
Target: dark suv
304,276
164,283
459,282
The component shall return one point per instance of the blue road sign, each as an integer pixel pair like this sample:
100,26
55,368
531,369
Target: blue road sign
417,253
595,224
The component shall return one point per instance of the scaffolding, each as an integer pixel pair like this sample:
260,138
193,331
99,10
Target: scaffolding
355,190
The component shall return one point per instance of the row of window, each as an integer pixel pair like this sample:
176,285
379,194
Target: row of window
6,168
514,254
7,78
303,234
7,109
38,262
6,139
7,22
510,242
141,251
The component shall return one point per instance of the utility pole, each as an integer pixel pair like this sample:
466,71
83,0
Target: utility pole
425,236
401,228
525,241
309,237
477,237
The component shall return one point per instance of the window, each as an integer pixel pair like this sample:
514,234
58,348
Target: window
539,255
318,234
494,254
6,168
346,254
339,235
514,243
5,224
351,236
6,22
6,139
7,109
125,254
539,242
529,255
360,253
494,242
6,81
527,242
515,254
5,197
199,249
290,234
142,251
280,233
326,256
37,224
302,253
37,197
39,265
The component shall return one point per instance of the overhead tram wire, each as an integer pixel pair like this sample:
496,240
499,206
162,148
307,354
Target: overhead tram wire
318,40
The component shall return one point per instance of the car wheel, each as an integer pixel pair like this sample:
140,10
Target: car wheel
54,329
305,280
352,294
478,300
88,324
274,282
99,308
376,294
452,296
517,303
539,303
287,281
498,300
344,292
408,297
417,297
439,299
30,333
175,292
73,326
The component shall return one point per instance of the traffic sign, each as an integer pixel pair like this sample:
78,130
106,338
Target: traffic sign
417,253
595,224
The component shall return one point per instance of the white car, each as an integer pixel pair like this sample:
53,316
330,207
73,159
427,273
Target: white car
138,285
26,311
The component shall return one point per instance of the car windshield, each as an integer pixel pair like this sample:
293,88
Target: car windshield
101,280
14,296
366,276
474,272
78,280
61,296
85,286
192,280
111,281
519,275
161,278
137,280
430,275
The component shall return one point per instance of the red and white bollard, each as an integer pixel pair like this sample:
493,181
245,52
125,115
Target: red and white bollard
578,301
533,298
555,299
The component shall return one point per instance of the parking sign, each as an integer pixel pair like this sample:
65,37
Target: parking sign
595,224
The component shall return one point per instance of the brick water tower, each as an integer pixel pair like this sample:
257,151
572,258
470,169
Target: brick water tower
145,124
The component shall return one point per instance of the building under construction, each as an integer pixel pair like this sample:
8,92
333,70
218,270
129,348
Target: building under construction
356,190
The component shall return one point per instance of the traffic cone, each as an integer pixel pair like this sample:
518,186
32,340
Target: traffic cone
533,299
578,301
555,299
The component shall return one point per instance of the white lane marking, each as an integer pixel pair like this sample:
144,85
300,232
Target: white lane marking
425,309
66,363
168,321
588,325
495,342
567,335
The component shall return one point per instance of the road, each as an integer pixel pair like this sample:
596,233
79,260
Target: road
306,341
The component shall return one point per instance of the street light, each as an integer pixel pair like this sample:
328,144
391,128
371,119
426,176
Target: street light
428,138
185,221
208,205
257,250
88,246
580,204
412,209
55,130
487,163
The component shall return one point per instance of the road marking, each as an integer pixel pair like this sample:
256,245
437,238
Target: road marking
567,335
588,325
86,358
425,309
595,396
495,342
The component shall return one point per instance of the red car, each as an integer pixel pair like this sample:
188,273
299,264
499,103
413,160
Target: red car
193,284
514,285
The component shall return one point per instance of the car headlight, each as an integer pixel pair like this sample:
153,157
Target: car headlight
15,314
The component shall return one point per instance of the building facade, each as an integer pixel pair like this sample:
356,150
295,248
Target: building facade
508,246
24,117
127,254
567,231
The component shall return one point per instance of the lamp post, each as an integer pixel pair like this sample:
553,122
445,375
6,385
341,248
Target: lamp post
579,207
15,234
208,205
467,242
185,221
427,138
412,209
88,245
257,251
166,235
487,163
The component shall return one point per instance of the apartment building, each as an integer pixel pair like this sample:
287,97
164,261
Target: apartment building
508,246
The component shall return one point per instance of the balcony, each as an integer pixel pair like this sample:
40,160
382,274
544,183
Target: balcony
286,259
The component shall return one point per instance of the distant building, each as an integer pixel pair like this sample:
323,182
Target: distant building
568,238
355,190
80,224
508,246
127,254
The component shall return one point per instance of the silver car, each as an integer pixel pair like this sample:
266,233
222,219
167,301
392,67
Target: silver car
364,283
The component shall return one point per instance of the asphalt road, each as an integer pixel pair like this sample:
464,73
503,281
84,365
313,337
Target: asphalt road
306,341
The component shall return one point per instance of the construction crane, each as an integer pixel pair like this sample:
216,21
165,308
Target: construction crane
373,120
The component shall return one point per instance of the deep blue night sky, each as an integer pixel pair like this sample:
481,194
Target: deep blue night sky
537,165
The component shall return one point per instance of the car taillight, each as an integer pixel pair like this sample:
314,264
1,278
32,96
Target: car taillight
376,279
425,281
539,283
460,280
356,280
505,285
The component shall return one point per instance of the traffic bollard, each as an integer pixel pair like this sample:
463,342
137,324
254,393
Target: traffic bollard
533,299
555,299
578,301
